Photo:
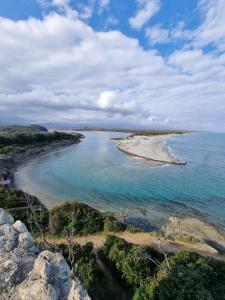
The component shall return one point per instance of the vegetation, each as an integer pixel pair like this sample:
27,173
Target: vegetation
150,276
20,128
190,276
14,201
27,138
144,273
19,138
112,225
83,262
77,218
70,217
158,132
129,263
81,219
183,238
86,266
130,130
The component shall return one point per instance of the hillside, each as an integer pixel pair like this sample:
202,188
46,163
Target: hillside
116,261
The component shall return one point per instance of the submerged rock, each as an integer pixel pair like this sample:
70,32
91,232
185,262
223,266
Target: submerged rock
27,274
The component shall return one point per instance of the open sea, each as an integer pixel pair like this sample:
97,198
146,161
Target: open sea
97,173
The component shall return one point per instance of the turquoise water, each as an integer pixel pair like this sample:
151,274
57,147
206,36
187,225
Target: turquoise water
97,173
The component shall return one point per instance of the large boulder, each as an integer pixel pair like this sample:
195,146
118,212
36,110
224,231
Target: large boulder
27,274
17,252
51,279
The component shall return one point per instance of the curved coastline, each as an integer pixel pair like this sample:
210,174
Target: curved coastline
172,229
33,154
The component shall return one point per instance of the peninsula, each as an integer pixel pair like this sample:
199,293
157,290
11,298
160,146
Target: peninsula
111,258
150,147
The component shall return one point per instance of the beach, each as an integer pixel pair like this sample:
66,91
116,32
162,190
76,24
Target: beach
149,147
41,177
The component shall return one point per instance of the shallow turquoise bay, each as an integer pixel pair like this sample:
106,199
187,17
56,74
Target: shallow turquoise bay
97,173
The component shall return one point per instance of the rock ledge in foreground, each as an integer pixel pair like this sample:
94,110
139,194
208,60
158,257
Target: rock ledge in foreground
27,274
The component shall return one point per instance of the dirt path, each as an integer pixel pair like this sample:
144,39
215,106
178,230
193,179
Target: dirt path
144,239
114,286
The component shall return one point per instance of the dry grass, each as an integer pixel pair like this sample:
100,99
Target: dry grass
143,239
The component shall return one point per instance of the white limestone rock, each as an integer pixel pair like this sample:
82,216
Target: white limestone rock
5,218
8,237
77,292
20,227
25,275
25,240
51,279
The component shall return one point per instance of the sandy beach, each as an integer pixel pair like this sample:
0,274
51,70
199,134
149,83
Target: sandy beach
149,147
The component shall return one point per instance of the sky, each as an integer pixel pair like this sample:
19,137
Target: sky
113,63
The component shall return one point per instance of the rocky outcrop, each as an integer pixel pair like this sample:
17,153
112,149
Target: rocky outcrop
26,274
196,228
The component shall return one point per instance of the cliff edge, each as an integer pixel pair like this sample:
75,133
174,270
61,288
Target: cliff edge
27,274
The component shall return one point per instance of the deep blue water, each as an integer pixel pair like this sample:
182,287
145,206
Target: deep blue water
97,173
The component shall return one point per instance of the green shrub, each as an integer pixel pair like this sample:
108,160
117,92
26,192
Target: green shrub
14,202
129,262
86,268
112,225
188,277
19,138
77,218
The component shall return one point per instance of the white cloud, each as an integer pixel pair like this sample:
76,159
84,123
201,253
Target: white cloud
156,34
111,100
147,9
104,3
64,71
106,99
63,6
212,30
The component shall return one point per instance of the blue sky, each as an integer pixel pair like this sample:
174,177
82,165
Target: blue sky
118,12
147,63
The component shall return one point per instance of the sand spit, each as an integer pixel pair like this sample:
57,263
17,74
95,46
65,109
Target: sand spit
149,147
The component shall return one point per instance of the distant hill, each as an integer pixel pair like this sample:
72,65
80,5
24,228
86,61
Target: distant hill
20,128
134,131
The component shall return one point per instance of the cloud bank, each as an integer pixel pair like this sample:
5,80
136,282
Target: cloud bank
59,70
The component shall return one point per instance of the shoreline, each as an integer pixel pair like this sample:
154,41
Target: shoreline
172,229
17,160
152,148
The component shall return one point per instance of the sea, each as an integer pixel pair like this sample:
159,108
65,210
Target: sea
95,172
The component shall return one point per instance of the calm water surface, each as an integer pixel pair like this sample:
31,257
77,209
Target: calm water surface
96,173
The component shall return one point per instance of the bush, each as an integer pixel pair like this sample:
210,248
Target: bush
86,268
129,262
77,218
112,225
189,276
14,202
